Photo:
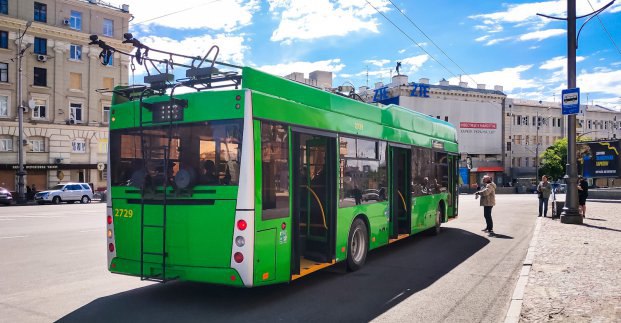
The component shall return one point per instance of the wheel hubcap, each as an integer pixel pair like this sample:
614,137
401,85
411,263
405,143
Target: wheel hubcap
357,245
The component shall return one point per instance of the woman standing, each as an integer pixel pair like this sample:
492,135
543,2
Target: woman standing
488,200
544,189
583,193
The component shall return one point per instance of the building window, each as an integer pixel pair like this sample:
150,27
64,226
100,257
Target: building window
519,120
4,39
108,27
40,76
4,72
108,83
105,117
40,46
6,144
4,106
75,52
75,112
526,160
37,145
110,60
78,146
40,12
75,22
75,81
40,110
4,7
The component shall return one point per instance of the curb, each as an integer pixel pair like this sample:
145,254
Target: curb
515,306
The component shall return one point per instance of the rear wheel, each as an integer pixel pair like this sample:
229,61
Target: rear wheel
357,245
85,199
56,200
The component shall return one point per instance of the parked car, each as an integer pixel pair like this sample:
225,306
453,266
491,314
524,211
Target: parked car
370,194
6,197
69,192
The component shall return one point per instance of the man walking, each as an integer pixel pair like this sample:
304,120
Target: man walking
488,200
544,189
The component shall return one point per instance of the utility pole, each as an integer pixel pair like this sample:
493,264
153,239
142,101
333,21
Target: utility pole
537,148
21,172
570,210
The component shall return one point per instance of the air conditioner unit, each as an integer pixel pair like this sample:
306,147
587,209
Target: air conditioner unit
42,58
66,22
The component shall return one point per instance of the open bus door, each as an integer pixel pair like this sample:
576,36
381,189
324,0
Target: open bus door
453,180
400,192
314,199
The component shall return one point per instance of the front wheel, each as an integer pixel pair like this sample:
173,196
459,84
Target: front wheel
56,200
357,245
85,199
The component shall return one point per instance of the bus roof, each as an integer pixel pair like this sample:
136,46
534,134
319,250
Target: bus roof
390,115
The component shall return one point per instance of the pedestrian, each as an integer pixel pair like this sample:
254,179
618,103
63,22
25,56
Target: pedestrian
29,195
583,193
544,190
488,200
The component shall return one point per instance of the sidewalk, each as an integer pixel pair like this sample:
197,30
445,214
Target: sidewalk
576,270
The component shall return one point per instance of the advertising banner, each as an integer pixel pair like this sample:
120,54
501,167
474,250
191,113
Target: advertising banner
479,124
600,159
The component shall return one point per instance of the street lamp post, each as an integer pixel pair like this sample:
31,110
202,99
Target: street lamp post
21,192
570,210
537,148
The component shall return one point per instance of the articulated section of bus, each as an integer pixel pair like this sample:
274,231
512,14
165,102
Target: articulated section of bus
181,200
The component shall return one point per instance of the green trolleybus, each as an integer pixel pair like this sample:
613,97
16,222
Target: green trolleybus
268,180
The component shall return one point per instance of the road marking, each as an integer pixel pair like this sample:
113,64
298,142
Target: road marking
13,237
394,298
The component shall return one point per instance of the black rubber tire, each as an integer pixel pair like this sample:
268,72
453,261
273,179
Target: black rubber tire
56,200
85,199
357,245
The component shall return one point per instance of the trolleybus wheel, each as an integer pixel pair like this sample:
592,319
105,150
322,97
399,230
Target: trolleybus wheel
357,245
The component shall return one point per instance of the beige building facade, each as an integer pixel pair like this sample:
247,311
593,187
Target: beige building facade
65,123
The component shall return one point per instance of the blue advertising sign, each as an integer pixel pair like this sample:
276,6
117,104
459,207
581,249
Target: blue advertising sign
571,101
464,176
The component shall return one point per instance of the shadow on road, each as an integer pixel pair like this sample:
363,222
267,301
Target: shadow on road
500,236
390,275
600,227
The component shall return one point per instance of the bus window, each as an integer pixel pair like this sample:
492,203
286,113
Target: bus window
275,171
363,172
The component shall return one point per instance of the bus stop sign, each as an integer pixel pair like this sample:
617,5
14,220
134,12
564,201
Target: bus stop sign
571,101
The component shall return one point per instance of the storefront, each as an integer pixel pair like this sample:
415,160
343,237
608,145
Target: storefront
46,175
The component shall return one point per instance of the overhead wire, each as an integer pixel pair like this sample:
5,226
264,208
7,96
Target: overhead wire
605,29
431,40
411,39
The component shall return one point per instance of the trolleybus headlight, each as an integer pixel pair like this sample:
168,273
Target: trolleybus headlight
240,241
242,225
111,248
238,257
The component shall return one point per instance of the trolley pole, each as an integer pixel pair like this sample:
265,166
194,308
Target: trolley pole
570,213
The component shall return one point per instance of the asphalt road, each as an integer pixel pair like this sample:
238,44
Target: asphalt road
54,268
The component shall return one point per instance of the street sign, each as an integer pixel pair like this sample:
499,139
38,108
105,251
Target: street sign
571,101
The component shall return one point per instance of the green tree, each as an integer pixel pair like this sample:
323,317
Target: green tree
554,160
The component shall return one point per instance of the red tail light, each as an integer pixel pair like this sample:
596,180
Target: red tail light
109,219
242,225
238,257
111,248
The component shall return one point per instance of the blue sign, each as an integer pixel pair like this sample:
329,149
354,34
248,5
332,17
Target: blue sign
464,176
418,90
571,101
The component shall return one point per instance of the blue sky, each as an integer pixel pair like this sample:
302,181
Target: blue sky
485,42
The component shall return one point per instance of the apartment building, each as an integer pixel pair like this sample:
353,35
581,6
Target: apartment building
65,116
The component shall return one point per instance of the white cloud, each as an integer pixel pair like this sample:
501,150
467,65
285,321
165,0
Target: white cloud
194,14
332,65
604,82
542,34
510,78
482,38
497,40
377,62
558,62
308,20
401,51
412,64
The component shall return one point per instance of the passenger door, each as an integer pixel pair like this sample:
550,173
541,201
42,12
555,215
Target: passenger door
400,192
